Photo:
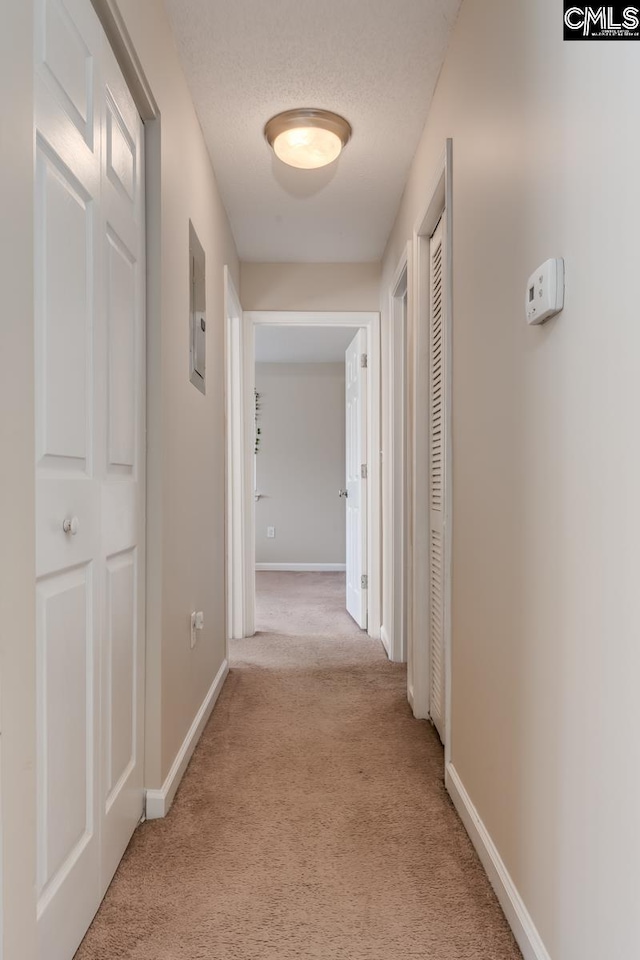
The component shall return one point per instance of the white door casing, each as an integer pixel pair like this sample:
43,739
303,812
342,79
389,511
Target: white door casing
356,476
234,413
90,404
437,487
123,495
427,557
395,500
400,484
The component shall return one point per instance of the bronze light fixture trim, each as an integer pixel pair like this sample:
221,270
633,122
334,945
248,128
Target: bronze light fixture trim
307,137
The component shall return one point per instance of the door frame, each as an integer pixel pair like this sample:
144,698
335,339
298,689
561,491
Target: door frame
439,204
394,630
128,60
241,499
235,589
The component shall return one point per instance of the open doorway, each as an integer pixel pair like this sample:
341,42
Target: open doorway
299,462
310,470
299,474
293,518
299,459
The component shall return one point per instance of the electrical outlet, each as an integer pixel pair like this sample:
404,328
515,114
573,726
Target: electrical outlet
197,623
271,532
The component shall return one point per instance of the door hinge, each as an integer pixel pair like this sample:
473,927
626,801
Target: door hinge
364,581
364,361
363,471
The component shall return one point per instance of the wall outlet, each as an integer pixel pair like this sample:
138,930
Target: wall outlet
271,532
197,623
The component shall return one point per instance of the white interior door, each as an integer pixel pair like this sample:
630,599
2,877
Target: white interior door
356,474
123,481
90,388
437,486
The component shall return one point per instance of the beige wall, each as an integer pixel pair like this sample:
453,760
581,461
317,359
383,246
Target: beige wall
301,463
185,429
17,440
546,609
310,286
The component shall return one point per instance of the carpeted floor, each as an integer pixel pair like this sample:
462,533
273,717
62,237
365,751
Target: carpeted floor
313,821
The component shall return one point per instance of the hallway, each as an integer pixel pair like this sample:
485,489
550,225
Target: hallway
313,821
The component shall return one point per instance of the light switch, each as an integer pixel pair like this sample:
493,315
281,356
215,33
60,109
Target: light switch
271,532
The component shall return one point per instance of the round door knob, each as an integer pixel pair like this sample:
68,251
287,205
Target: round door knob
343,493
71,526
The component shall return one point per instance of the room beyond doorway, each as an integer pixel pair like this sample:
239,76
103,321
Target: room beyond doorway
242,490
299,465
311,457
303,604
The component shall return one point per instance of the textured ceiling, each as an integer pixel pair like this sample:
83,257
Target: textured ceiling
302,344
374,61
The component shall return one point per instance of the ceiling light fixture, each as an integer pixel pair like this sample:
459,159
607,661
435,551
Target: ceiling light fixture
307,138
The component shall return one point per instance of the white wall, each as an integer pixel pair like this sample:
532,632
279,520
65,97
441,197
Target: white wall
301,462
310,286
186,477
546,606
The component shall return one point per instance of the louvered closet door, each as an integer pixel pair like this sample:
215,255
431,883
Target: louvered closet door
437,395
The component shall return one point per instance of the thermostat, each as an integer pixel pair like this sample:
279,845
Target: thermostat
545,291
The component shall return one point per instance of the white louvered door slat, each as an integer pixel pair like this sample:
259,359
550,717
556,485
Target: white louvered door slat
436,478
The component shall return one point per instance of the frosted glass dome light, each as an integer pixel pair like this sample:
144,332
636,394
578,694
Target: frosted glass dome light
307,138
307,147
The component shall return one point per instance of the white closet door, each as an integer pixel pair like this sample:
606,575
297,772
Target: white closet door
356,483
123,479
437,441
89,435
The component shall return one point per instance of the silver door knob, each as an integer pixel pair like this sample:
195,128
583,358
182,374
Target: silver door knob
343,493
71,526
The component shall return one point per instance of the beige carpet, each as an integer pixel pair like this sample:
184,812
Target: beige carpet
313,820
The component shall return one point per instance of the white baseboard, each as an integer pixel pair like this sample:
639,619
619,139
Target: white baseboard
386,643
302,567
391,653
517,915
158,802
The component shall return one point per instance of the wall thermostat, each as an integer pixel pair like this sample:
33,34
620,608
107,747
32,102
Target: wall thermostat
545,291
